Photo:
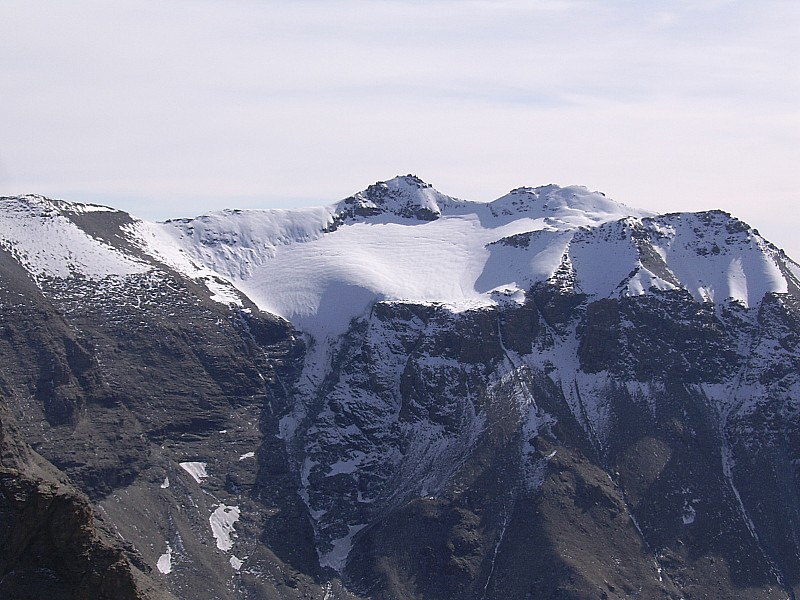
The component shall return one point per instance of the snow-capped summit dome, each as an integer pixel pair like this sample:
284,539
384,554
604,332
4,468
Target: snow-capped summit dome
570,206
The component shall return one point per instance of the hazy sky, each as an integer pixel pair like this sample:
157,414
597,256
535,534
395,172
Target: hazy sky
173,108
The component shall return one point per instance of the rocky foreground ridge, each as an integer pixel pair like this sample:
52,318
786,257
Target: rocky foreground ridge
400,396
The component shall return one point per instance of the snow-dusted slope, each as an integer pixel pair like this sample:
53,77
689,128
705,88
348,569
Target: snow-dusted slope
40,234
59,240
717,257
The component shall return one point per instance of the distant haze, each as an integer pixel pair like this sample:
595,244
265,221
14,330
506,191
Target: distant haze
178,108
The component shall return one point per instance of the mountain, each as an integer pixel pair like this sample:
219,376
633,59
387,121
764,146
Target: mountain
402,395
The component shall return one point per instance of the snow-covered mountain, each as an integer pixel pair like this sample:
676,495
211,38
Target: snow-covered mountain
408,395
397,241
401,240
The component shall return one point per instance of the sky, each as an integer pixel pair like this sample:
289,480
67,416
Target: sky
175,108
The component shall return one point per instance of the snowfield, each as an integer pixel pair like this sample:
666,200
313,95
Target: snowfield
196,469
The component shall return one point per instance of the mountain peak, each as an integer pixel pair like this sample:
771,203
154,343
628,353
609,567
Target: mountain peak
36,204
406,196
571,206
409,180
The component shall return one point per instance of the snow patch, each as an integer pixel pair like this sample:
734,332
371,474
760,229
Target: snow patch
164,563
689,514
165,484
79,208
247,455
346,465
236,563
337,557
196,469
222,521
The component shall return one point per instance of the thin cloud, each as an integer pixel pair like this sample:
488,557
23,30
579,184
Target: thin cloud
200,103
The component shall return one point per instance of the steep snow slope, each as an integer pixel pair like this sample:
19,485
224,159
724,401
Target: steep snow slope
716,257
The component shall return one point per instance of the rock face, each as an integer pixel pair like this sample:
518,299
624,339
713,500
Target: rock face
501,473
53,545
548,396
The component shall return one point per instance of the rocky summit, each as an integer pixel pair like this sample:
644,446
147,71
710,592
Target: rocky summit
400,396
